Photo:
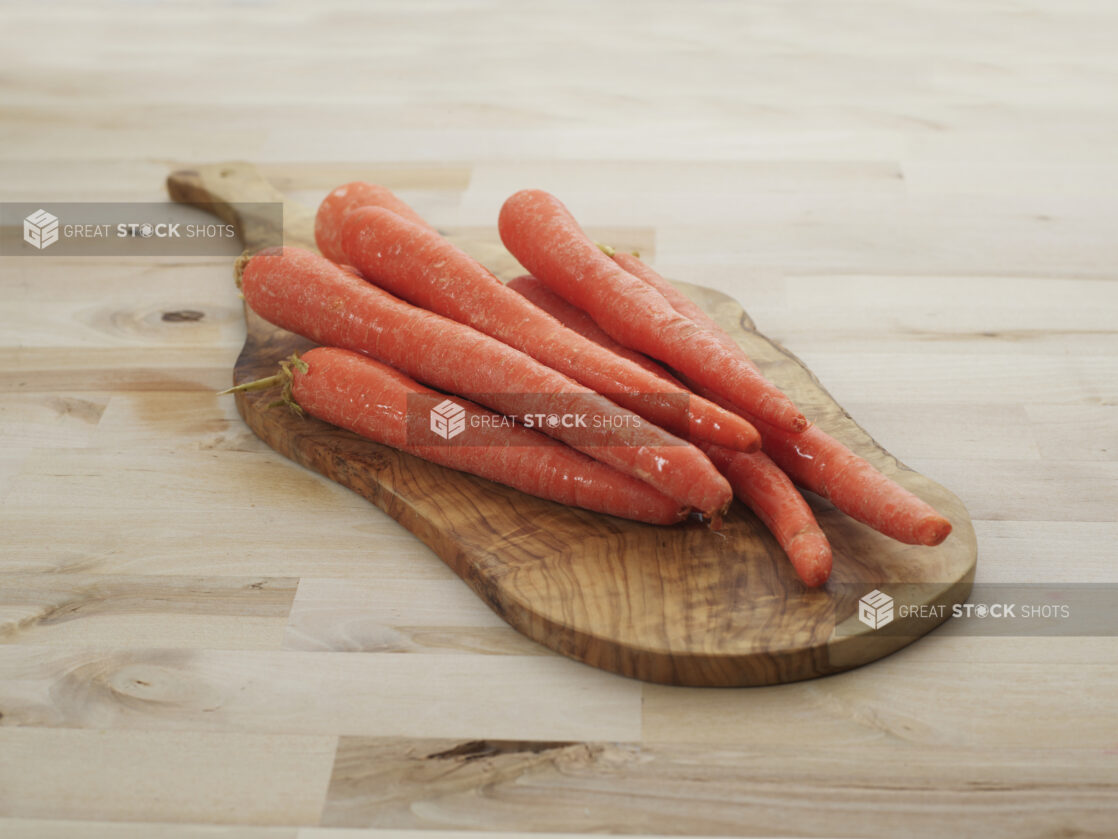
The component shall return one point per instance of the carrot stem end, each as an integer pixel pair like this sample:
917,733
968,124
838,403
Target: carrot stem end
285,378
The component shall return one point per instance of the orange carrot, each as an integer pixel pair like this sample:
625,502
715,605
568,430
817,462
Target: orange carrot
307,294
574,318
769,493
357,393
756,480
814,459
545,238
341,201
420,266
821,463
678,300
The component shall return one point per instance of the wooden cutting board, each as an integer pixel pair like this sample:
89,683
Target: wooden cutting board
680,605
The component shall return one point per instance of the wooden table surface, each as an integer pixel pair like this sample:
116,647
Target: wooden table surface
917,199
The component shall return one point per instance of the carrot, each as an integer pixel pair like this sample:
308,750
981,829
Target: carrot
816,460
678,300
341,201
545,238
368,398
572,317
422,267
769,493
821,463
307,294
756,480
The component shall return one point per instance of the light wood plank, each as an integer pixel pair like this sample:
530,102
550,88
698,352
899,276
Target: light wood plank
1039,651
951,430
362,543
99,529
203,368
174,421
1087,491
62,829
34,420
437,616
315,693
79,610
1046,551
945,705
957,236
982,297
59,829
914,376
107,479
158,305
1084,433
409,833
171,776
403,178
725,789
11,464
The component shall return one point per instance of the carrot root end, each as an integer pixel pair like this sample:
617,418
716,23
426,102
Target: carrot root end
933,530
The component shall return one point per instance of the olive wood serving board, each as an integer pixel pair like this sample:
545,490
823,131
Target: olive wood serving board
679,605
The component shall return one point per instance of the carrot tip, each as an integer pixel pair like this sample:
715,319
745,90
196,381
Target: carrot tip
933,530
815,580
811,556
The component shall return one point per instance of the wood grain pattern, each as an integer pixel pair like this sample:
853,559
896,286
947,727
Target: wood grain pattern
195,612
741,789
130,688
681,605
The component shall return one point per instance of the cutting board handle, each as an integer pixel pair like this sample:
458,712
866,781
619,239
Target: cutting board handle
238,193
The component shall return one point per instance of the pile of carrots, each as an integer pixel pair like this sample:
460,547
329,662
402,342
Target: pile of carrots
398,310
